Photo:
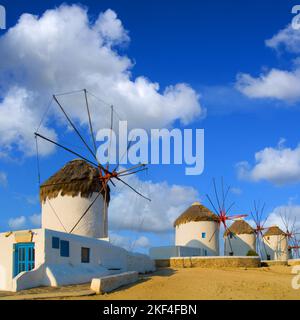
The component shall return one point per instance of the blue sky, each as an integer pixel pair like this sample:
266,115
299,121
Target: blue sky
210,46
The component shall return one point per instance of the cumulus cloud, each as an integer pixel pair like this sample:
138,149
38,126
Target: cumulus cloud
278,84
3,179
128,211
35,220
17,223
292,213
279,165
275,83
18,120
63,50
20,222
129,243
286,39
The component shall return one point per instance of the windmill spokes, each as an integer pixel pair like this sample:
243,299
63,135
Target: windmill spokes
106,175
257,216
221,209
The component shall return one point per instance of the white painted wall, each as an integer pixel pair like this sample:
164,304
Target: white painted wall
190,235
276,246
7,256
240,244
69,210
54,270
167,252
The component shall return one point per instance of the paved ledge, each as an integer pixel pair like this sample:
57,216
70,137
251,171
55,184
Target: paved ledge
210,262
110,283
293,262
268,263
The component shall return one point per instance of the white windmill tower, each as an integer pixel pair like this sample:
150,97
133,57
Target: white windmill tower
198,227
241,237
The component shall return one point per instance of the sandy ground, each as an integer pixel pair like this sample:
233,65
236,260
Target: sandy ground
199,283
190,283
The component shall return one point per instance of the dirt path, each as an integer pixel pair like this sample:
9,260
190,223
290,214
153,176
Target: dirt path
199,283
190,283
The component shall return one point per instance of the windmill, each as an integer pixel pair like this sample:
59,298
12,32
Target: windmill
291,233
257,215
107,175
221,210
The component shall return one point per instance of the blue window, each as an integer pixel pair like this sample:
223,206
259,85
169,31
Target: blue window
64,248
55,243
203,235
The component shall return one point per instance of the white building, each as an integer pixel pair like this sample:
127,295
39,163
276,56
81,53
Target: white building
196,234
275,244
52,256
239,239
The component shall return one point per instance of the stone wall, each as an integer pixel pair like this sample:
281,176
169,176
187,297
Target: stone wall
293,262
210,262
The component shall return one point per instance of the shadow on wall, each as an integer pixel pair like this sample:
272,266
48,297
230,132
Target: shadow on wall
237,246
206,251
273,253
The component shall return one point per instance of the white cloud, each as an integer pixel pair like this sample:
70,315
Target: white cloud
279,165
129,243
291,211
142,242
287,39
18,120
3,179
131,212
236,191
61,51
17,223
25,222
36,220
277,84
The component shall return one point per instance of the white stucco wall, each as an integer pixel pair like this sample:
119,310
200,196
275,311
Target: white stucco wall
51,269
7,256
190,235
276,247
167,252
239,244
69,210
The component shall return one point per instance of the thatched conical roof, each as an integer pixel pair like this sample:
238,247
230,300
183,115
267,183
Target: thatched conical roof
196,212
239,227
274,231
77,177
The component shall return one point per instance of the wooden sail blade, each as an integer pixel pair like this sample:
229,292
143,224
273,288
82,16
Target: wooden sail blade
133,189
132,168
216,194
66,149
75,129
134,172
212,204
90,121
237,216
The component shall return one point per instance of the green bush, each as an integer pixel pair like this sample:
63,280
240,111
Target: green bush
252,253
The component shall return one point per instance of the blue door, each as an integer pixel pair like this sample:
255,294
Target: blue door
23,257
